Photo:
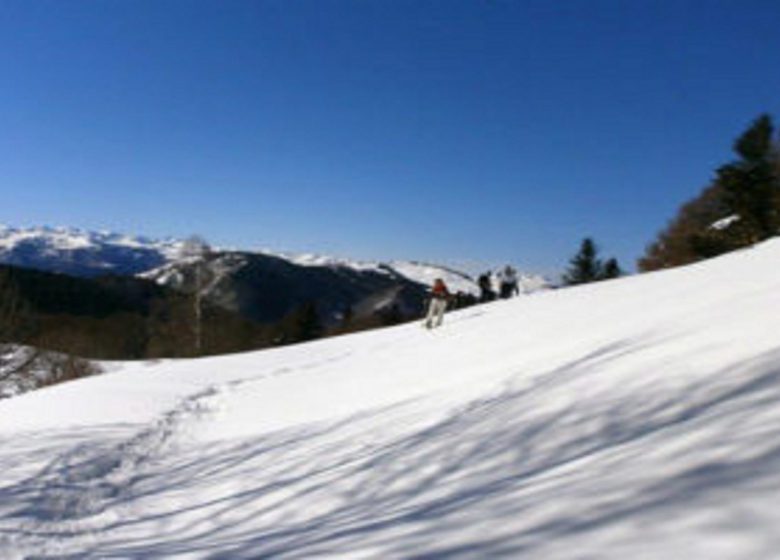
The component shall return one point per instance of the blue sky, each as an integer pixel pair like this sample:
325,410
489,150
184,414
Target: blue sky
472,133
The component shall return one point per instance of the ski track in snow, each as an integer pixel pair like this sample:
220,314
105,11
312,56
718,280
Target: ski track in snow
86,491
76,493
87,488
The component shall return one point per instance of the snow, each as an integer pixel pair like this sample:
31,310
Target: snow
635,418
725,223
420,272
426,274
313,259
66,239
25,368
12,358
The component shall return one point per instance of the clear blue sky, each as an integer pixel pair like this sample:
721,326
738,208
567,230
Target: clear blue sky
471,132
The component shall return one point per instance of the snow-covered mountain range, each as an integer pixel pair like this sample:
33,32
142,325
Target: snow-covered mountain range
259,285
632,418
86,253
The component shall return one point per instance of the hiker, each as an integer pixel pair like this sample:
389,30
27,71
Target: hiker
438,304
486,292
508,282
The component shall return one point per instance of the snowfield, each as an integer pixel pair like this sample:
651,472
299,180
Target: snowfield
631,419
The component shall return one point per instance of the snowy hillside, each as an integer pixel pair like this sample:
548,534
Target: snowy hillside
630,419
422,273
23,369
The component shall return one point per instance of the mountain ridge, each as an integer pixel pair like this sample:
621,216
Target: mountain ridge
82,252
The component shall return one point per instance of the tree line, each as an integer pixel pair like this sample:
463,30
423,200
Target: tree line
740,206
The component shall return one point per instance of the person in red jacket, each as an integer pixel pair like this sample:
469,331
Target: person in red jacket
440,295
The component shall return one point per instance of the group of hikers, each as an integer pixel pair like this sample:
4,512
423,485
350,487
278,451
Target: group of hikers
440,295
507,285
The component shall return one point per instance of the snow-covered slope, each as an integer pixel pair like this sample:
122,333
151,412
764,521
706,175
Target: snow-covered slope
637,418
424,273
24,368
420,272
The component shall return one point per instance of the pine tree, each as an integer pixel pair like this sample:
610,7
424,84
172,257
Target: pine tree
346,317
302,324
750,185
746,190
391,315
585,266
611,270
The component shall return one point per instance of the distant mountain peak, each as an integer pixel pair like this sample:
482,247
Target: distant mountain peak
80,252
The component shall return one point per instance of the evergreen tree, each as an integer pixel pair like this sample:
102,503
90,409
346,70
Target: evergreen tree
346,317
750,186
302,324
746,190
611,270
391,315
585,266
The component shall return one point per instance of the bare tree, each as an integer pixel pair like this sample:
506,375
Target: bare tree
197,249
24,369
